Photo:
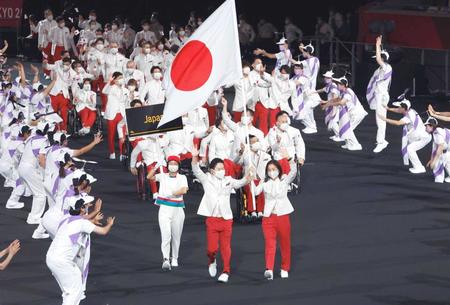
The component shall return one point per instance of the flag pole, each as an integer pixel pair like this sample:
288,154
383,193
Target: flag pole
247,151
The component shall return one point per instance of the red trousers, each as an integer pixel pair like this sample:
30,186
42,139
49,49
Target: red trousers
97,86
60,105
112,129
152,183
219,231
237,116
264,118
87,117
259,199
285,167
277,227
212,112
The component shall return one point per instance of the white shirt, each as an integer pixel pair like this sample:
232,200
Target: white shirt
311,67
135,74
216,199
168,185
291,140
198,119
44,27
95,62
261,87
115,36
85,99
275,192
280,91
179,141
63,247
439,136
34,146
59,37
151,149
382,83
145,35
114,63
117,100
221,145
258,160
153,93
145,62
243,94
410,118
283,58
64,79
51,158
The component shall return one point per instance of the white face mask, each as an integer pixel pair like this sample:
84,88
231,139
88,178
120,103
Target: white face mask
258,67
147,50
87,87
93,27
61,25
66,68
131,88
100,47
246,70
220,174
181,33
245,120
50,18
173,168
92,17
130,70
284,76
161,47
157,75
255,146
79,69
273,174
120,82
283,126
114,27
282,48
114,51
146,27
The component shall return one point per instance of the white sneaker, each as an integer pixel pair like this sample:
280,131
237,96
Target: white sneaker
336,139
87,130
82,131
112,156
223,278
254,214
39,235
155,196
83,296
14,205
354,147
121,158
345,146
437,180
419,170
447,179
174,262
268,275
308,130
260,214
380,147
212,269
10,183
166,265
284,274
32,221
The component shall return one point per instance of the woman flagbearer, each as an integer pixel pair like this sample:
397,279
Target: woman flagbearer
72,238
414,136
215,205
440,155
172,187
276,223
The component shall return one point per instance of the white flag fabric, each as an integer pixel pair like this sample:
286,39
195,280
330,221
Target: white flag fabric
209,59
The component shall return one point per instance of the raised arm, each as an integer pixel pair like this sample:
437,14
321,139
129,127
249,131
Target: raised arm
97,139
5,47
378,50
264,53
50,87
226,118
196,167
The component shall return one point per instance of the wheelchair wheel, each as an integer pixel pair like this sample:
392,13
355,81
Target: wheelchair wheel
142,183
73,122
297,181
241,206
126,151
98,121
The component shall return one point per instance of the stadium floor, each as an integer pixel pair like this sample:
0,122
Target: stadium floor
364,231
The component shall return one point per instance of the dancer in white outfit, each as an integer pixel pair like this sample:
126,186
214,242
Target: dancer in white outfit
414,136
440,155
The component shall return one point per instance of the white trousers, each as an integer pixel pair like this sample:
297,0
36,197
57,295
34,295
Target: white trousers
171,221
48,186
356,117
51,220
16,193
381,100
34,181
445,159
414,146
68,276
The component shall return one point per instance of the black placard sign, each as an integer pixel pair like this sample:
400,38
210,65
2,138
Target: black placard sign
144,121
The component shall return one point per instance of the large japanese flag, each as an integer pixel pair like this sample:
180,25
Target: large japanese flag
209,59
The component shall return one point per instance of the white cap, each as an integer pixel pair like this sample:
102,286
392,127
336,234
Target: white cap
62,156
383,52
35,86
72,201
342,80
41,125
79,172
328,74
57,136
405,101
308,45
282,41
431,121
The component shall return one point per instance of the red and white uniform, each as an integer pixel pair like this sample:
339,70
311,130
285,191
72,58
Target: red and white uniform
85,105
153,92
145,35
261,99
289,141
243,97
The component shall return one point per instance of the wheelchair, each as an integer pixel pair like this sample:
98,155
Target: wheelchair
241,214
142,187
126,153
74,122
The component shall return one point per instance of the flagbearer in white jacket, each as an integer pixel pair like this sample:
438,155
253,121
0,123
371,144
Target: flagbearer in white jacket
414,136
215,206
276,223
286,142
172,187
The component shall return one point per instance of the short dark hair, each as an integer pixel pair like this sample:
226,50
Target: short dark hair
99,39
282,112
286,68
214,162
250,112
66,59
135,101
277,165
59,19
116,74
154,68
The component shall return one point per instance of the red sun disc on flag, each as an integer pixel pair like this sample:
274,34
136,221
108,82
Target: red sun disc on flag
192,66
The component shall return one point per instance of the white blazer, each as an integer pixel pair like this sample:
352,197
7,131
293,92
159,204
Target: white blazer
275,194
216,200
